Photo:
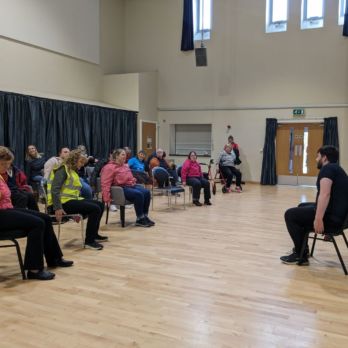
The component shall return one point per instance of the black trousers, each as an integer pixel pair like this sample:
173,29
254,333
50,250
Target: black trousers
24,199
86,207
229,172
197,183
300,220
41,239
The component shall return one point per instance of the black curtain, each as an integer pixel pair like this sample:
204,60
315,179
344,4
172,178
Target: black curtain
50,124
268,172
330,132
187,27
345,24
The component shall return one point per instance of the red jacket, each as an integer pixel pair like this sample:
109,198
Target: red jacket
114,174
191,169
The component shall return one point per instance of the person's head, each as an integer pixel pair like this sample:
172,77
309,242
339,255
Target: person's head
82,148
141,155
230,139
32,152
75,160
159,153
119,156
228,148
128,151
6,159
192,156
327,154
64,152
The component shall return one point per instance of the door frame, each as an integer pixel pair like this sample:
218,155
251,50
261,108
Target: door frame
141,132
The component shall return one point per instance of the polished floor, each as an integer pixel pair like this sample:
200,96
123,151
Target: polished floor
202,277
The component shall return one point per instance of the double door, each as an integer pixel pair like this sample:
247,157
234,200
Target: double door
296,146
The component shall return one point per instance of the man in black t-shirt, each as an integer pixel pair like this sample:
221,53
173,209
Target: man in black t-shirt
330,208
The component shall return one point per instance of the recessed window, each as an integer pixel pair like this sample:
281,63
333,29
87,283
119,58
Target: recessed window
276,15
190,137
312,15
341,11
202,14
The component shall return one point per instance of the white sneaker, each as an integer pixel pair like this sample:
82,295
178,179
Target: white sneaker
129,206
113,207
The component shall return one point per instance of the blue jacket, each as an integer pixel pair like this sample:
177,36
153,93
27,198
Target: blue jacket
135,164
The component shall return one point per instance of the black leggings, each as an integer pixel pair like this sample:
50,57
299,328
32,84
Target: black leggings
197,183
229,172
41,239
92,209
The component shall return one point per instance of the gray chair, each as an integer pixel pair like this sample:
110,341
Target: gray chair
118,198
12,236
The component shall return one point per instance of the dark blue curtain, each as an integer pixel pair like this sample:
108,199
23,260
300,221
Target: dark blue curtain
345,25
50,124
187,27
330,132
268,171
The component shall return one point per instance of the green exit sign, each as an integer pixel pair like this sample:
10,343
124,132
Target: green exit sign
298,112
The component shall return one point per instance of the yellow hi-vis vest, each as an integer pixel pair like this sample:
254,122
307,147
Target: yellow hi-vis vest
70,190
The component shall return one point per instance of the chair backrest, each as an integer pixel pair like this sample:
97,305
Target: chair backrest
117,195
161,176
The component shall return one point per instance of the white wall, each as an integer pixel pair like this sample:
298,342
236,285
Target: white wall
250,75
70,27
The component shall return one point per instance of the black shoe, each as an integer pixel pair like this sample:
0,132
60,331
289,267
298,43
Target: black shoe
197,203
94,245
294,259
207,203
142,222
149,221
61,263
41,275
100,238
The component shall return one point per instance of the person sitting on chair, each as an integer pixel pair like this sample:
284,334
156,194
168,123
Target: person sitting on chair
158,159
41,239
55,161
191,174
117,173
36,163
227,166
63,195
21,193
139,168
329,210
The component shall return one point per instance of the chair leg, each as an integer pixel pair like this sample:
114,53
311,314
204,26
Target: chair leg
122,215
107,214
345,238
82,232
58,231
20,260
313,245
339,255
303,247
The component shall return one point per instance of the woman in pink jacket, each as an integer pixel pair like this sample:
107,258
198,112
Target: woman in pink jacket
191,174
117,173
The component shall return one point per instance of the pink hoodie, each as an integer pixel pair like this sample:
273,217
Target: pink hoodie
5,193
114,174
191,169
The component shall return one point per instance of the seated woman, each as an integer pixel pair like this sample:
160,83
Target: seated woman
41,239
21,193
139,168
63,195
117,173
191,174
36,164
227,166
158,159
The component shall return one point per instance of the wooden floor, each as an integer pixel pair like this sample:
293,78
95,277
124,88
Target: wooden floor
202,277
